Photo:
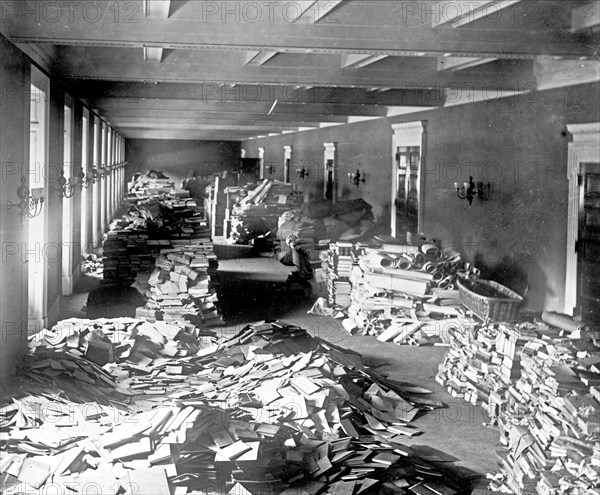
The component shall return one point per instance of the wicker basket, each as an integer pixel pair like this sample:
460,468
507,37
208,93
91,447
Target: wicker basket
492,308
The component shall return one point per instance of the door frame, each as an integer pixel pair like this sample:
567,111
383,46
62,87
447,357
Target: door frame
287,155
408,134
330,153
584,147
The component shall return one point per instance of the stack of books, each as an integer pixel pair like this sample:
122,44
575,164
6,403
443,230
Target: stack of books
181,285
338,266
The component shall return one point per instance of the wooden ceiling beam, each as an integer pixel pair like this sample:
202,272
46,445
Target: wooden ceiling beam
460,13
259,58
586,16
104,104
157,8
125,115
254,93
313,11
153,54
355,61
461,63
106,67
302,38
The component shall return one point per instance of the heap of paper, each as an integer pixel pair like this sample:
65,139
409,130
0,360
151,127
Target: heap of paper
549,417
182,285
271,410
405,294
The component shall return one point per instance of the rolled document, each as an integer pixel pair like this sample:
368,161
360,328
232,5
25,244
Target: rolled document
431,251
564,322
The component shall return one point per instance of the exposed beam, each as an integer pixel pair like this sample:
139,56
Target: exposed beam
101,64
243,106
125,115
586,16
157,8
461,63
153,54
314,10
253,93
259,58
560,73
185,136
205,127
355,61
302,38
460,13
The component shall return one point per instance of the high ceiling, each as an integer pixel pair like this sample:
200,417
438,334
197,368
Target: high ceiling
233,70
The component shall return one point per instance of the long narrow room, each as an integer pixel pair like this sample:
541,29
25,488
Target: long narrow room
300,247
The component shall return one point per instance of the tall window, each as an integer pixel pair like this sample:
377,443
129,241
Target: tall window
96,186
85,141
37,175
67,210
103,179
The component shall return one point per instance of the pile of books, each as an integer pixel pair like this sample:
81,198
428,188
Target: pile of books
181,285
338,266
405,294
550,416
135,240
149,185
258,211
269,410
483,360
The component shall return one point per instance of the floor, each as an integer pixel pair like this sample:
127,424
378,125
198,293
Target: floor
253,289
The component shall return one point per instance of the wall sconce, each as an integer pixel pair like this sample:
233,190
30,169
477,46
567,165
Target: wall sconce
470,190
30,203
356,178
66,188
87,181
302,173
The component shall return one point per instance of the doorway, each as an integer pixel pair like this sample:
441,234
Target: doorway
582,287
287,163
330,186
408,144
588,242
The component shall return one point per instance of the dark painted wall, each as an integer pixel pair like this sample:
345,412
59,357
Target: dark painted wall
178,157
519,144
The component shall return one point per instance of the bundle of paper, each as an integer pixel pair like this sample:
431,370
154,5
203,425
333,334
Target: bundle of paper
258,210
404,304
270,410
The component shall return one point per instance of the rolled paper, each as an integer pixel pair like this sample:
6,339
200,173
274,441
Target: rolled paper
437,276
451,252
451,287
476,272
419,258
429,267
387,262
562,321
403,264
431,250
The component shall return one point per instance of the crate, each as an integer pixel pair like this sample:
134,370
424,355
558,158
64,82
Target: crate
489,308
